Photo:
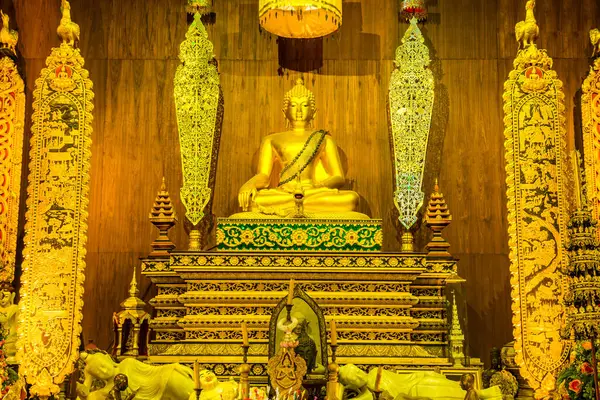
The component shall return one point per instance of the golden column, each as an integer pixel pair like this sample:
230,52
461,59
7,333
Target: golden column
12,118
590,109
199,108
537,174
56,228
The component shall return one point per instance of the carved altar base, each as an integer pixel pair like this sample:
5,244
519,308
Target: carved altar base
390,308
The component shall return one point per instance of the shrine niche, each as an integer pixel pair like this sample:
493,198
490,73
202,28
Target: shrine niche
538,205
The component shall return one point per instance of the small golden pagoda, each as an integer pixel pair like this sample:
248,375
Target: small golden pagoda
131,324
163,218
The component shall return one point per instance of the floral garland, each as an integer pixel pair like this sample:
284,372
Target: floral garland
8,376
576,382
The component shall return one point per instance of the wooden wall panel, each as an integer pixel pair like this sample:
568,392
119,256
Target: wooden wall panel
131,51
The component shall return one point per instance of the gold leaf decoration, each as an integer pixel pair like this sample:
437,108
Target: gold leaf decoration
198,104
12,118
537,171
590,109
411,96
56,227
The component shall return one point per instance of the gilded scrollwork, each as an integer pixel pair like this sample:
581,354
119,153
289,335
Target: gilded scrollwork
198,103
299,235
224,259
537,172
411,96
271,286
12,118
56,228
590,109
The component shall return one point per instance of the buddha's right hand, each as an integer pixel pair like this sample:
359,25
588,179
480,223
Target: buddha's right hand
246,194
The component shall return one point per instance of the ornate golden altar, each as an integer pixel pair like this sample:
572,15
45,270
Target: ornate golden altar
390,308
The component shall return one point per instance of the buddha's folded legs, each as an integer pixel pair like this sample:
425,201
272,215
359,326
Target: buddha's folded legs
315,200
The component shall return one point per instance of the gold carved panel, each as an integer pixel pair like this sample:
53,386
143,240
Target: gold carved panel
12,117
198,104
56,229
411,98
537,171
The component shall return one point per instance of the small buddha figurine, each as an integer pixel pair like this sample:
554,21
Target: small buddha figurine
8,321
311,170
212,389
467,382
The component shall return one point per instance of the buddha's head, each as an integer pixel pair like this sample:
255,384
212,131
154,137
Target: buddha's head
299,105
99,365
352,376
6,298
467,381
208,380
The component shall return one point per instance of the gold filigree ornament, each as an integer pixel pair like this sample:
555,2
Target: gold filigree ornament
12,118
590,109
537,178
198,104
56,229
411,96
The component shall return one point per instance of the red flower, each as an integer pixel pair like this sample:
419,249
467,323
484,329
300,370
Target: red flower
587,369
575,385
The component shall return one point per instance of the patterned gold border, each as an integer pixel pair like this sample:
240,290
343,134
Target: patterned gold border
12,122
590,110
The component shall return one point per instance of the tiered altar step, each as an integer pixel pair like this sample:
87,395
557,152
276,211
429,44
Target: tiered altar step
389,308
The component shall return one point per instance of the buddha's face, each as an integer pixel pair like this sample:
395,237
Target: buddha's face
299,110
5,298
207,378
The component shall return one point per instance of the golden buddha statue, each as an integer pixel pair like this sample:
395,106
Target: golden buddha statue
311,175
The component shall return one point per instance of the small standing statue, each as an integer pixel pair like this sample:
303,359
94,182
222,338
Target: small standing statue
307,349
121,383
467,382
527,31
8,36
68,31
595,38
8,322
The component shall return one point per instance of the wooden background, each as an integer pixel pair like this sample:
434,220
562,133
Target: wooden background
131,50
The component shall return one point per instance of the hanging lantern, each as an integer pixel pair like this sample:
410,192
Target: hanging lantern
300,19
199,6
413,8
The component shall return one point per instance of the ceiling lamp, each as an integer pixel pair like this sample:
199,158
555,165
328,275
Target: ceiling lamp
300,19
413,8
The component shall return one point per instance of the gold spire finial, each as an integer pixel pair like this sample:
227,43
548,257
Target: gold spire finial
162,216
8,37
457,336
68,31
133,286
527,31
437,217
